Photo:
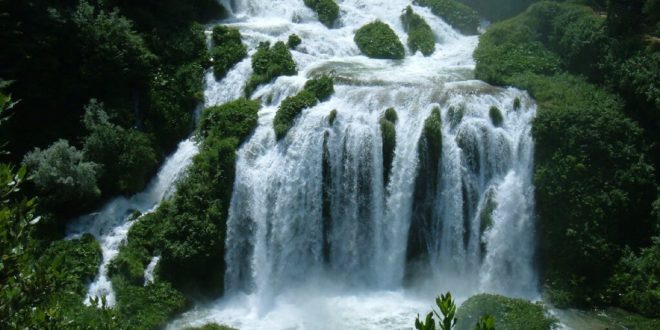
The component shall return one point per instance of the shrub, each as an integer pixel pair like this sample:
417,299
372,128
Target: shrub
420,35
377,40
458,15
327,10
315,90
289,110
227,49
236,119
294,41
495,116
509,313
269,63
147,306
321,87
62,176
126,155
636,281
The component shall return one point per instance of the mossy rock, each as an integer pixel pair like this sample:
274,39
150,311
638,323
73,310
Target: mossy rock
516,103
332,117
327,10
455,115
433,133
420,35
289,110
496,116
486,218
293,41
210,326
388,135
377,40
509,313
458,15
227,50
269,63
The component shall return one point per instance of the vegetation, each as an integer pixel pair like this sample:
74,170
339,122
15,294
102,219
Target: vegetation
498,10
509,313
269,63
377,40
495,116
327,10
332,117
447,321
388,134
293,41
227,49
315,90
595,182
420,35
458,15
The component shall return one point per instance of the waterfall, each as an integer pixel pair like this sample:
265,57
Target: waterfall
316,236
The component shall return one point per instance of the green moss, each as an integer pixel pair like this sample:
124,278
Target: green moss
321,87
269,63
293,41
516,103
495,116
210,326
327,10
433,133
377,40
458,15
455,116
391,116
509,313
388,135
332,117
486,218
420,35
289,110
315,90
227,49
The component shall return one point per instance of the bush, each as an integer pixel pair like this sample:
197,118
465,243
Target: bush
495,116
289,110
377,40
498,10
269,63
62,177
636,281
315,90
147,306
126,155
509,313
420,35
327,10
293,41
236,119
321,87
227,49
458,15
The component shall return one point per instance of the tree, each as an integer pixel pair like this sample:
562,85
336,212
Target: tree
62,176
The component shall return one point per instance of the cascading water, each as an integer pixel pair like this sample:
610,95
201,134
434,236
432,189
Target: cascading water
317,238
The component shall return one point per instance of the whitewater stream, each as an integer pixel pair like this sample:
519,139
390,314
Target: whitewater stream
321,235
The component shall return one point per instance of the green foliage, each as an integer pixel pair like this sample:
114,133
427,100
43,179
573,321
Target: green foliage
126,155
227,49
236,119
388,135
636,282
455,116
516,103
495,116
193,228
377,40
433,134
498,10
445,322
289,111
269,63
327,10
420,35
315,90
458,15
293,41
149,306
321,87
510,313
211,326
62,176
486,322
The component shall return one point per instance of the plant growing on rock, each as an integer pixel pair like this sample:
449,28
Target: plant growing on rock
378,40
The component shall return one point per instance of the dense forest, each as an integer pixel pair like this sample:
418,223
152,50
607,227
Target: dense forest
96,94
